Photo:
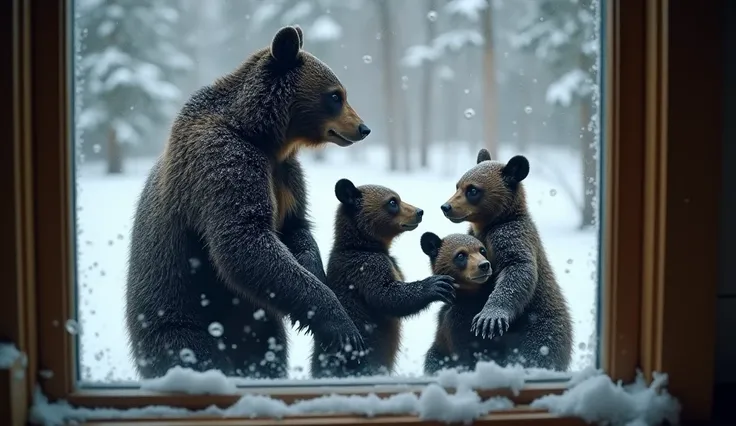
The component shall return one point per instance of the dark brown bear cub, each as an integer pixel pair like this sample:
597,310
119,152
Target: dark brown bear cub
368,281
221,248
464,258
526,298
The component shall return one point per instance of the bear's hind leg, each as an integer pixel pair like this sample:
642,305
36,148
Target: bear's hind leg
167,346
261,350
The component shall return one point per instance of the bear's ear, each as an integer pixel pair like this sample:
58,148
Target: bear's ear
431,244
483,155
285,45
346,192
516,170
301,35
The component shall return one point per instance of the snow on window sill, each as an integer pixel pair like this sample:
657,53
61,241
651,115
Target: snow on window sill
590,395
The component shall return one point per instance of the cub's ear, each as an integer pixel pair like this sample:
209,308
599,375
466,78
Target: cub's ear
483,155
431,244
301,35
346,192
285,45
516,170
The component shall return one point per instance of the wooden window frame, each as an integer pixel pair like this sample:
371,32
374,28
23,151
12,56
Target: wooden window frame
660,224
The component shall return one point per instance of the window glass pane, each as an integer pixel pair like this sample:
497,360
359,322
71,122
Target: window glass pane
197,178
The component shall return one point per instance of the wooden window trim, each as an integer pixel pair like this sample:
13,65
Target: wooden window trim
660,224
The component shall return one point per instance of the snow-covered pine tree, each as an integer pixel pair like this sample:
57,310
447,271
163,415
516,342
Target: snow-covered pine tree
130,54
564,34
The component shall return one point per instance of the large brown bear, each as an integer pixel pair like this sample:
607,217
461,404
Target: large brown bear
221,247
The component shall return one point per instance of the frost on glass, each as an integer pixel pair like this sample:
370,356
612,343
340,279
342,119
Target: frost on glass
435,81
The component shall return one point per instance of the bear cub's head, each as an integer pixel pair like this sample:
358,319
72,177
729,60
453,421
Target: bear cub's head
461,256
375,211
319,110
488,191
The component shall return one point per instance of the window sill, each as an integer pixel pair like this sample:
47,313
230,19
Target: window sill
519,416
134,398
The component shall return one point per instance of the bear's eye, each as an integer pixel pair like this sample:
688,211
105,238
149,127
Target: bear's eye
483,251
336,98
460,256
471,191
392,203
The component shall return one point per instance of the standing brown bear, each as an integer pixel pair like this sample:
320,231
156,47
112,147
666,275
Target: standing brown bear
526,306
369,282
221,246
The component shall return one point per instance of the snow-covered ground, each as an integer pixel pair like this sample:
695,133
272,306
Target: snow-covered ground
105,206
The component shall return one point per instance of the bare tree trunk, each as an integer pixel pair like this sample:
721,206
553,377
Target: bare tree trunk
426,134
114,154
489,84
390,88
590,164
523,122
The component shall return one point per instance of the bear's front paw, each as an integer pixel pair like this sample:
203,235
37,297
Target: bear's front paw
341,337
440,288
486,321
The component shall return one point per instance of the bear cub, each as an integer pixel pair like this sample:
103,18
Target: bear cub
368,281
466,259
526,307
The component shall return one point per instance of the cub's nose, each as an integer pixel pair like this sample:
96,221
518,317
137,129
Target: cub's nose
446,207
484,266
364,130
420,213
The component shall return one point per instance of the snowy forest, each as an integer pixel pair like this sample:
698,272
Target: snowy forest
422,73
435,80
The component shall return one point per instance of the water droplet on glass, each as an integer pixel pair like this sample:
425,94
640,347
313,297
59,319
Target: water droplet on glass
269,356
582,346
96,148
569,261
553,192
469,113
160,312
528,109
194,263
187,355
236,301
141,317
221,346
367,59
216,329
348,348
310,314
259,314
204,302
46,374
55,323
432,15
351,287
466,91
272,295
72,327
544,351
